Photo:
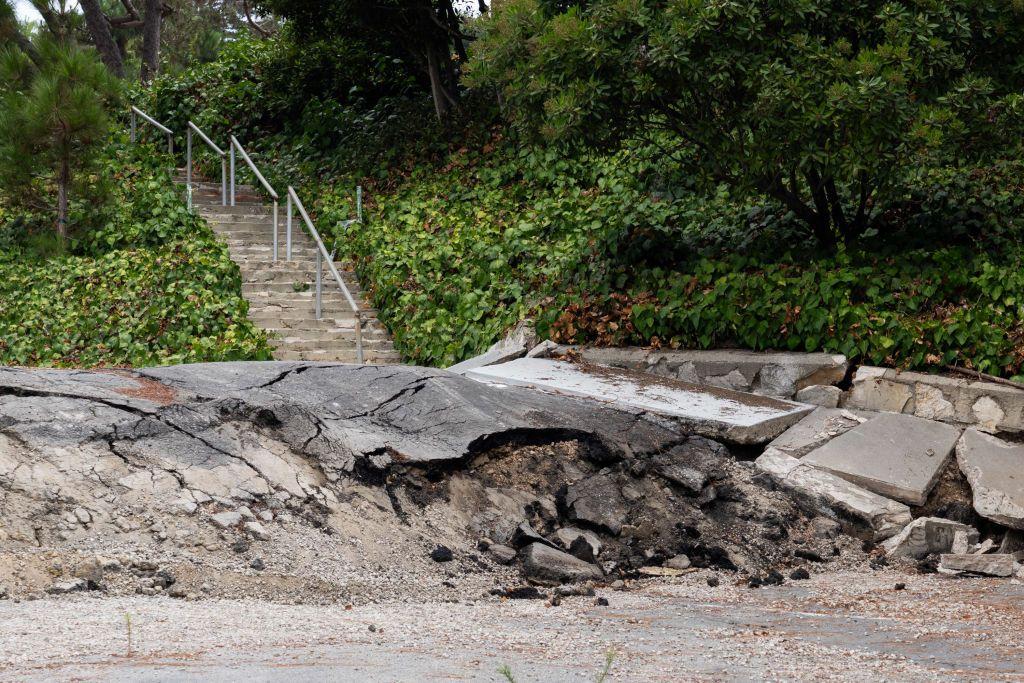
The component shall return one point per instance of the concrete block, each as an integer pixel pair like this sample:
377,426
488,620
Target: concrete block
995,470
927,535
884,517
871,390
516,344
708,411
897,456
988,565
823,395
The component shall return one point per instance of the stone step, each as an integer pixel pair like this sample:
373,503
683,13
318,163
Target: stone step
370,357
300,344
377,336
266,288
234,214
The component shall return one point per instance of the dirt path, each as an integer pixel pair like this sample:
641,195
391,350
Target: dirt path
843,626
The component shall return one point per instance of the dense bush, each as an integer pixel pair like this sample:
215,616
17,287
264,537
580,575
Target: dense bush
148,283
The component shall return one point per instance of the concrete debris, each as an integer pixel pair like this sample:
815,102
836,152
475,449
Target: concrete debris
587,544
550,566
822,425
962,543
72,586
521,339
678,562
777,374
545,349
524,535
598,502
929,535
883,516
824,395
716,413
227,519
502,554
987,565
995,470
897,456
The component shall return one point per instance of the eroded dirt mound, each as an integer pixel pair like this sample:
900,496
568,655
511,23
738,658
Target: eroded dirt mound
309,482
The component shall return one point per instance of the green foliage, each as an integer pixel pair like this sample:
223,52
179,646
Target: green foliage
151,285
821,104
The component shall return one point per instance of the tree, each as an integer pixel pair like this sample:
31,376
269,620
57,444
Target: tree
819,104
52,117
427,35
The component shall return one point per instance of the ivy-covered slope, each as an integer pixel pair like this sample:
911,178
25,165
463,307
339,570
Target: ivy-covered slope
148,285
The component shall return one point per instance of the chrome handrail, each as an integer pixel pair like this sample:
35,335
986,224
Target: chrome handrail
321,254
188,163
235,144
135,111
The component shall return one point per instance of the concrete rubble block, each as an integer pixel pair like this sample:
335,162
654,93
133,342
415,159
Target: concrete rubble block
521,339
897,456
931,404
226,519
995,470
987,565
873,390
927,535
824,395
568,536
824,424
769,373
716,413
597,501
545,349
550,566
884,517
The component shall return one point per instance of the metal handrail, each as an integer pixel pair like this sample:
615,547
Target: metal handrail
153,122
235,144
322,254
188,163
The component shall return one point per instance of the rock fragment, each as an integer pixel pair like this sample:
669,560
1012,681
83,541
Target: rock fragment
597,501
63,587
546,565
826,396
226,519
502,554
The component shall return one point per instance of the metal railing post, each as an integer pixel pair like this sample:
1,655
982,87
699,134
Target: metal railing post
170,144
188,157
275,231
359,338
232,172
223,181
288,231
359,203
319,283
132,137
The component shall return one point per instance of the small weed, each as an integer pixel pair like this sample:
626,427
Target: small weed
128,631
506,673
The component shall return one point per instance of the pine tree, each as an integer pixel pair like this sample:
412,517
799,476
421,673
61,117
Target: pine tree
52,118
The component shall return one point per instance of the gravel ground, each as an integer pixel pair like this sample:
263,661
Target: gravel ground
838,626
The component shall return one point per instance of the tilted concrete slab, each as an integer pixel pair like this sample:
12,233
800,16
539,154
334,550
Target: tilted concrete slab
897,456
927,535
995,470
884,517
821,426
709,411
989,565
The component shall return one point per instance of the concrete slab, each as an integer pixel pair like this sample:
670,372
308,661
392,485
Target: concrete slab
822,425
927,535
897,456
995,470
989,565
709,411
884,517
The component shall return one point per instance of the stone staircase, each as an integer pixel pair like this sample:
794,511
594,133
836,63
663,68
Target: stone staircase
282,295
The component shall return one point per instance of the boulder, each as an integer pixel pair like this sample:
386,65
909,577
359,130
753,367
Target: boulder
897,456
824,395
598,502
883,516
987,565
927,535
708,411
546,565
995,470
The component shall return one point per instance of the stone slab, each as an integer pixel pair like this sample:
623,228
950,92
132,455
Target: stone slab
884,517
989,565
822,425
897,456
717,413
516,344
995,470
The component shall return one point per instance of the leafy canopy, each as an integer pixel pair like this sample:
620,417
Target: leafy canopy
820,104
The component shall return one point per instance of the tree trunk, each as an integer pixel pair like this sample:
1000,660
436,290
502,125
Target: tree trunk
441,104
151,40
63,188
102,38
